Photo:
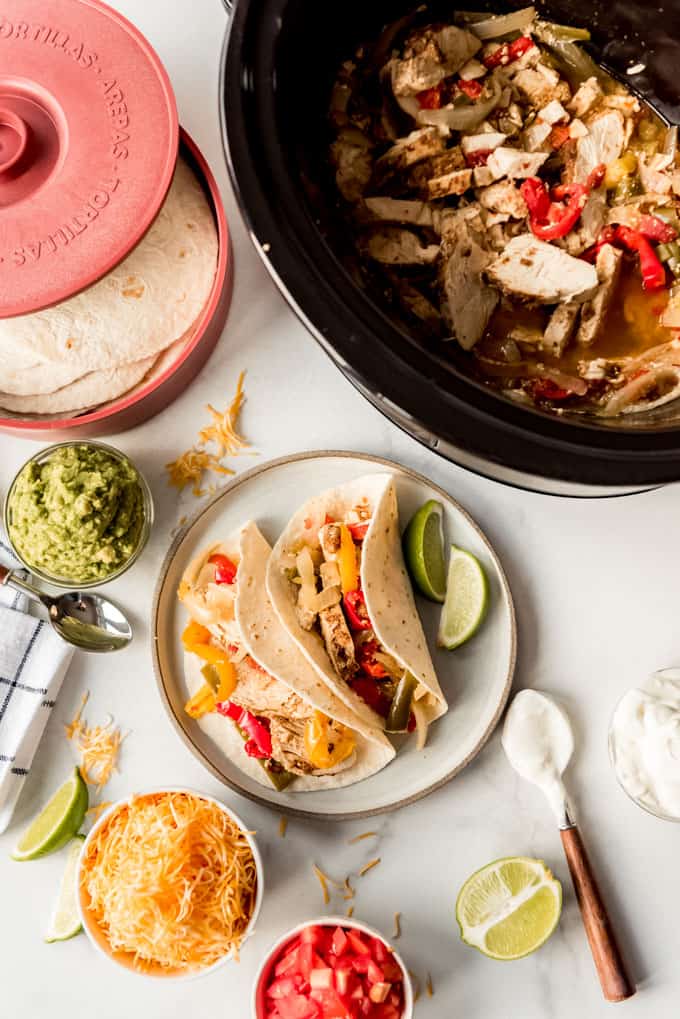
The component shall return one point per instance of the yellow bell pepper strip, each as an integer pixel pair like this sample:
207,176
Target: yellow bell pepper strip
202,703
195,634
347,561
221,677
327,742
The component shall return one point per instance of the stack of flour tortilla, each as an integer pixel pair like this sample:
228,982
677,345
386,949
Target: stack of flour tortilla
127,328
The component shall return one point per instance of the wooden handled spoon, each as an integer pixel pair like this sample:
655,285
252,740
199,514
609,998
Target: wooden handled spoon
539,742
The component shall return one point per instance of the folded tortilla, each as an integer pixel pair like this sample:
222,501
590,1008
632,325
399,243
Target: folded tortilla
384,581
257,627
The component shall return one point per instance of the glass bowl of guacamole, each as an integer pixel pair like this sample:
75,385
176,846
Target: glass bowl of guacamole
78,514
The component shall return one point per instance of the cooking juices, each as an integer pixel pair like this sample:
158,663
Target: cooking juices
508,195
644,743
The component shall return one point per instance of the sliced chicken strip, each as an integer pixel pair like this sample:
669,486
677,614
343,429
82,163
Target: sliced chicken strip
397,210
593,313
541,85
503,197
469,301
514,163
585,97
542,273
426,141
393,246
432,56
560,329
456,183
602,144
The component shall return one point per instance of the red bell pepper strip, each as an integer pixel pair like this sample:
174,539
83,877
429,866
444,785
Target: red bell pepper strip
651,268
358,531
507,52
546,389
430,98
656,229
259,743
225,570
477,158
367,663
607,236
472,89
370,692
552,219
535,194
355,610
559,136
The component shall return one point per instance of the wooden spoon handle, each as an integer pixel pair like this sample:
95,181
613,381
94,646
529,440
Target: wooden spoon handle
616,985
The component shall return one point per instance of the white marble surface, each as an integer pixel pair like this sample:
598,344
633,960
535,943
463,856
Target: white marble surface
596,586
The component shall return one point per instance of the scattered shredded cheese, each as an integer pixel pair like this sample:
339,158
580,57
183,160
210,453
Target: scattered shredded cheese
364,835
416,985
283,825
369,866
98,808
397,926
97,746
348,890
190,467
428,986
350,911
170,879
323,881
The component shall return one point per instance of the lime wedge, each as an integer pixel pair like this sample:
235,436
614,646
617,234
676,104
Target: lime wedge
466,599
65,922
509,908
57,822
424,550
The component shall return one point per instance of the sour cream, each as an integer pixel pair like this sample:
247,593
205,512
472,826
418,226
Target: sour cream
644,742
538,740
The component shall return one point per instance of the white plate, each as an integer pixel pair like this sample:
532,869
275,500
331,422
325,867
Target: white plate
476,678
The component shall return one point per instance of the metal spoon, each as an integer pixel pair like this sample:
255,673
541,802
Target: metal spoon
539,742
88,621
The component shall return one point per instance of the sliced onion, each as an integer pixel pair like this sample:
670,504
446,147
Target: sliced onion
575,385
630,398
421,724
324,599
503,24
462,118
670,143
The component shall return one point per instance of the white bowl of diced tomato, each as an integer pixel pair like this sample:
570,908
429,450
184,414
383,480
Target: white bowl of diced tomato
332,968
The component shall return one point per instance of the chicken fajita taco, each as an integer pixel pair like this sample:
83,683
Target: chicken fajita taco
338,582
253,691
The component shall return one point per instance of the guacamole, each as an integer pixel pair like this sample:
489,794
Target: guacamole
77,515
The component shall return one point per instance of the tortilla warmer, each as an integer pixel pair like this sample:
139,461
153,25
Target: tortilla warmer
89,138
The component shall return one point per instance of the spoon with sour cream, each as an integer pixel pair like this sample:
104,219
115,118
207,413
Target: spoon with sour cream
539,742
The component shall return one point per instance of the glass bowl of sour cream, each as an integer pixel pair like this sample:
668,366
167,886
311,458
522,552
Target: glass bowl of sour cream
644,744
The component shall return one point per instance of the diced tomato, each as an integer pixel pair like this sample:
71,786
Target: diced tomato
472,89
345,980
299,1007
358,531
285,986
374,973
357,943
225,569
339,941
430,98
321,979
314,936
546,389
381,952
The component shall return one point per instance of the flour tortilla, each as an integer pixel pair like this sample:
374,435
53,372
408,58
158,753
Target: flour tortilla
384,581
274,650
91,390
140,308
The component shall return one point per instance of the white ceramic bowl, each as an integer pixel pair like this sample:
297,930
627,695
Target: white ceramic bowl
264,971
96,935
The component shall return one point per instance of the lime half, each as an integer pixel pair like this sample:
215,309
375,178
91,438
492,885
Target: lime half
424,551
57,822
509,908
466,599
65,922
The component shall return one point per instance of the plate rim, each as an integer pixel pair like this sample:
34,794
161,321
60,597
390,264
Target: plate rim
226,491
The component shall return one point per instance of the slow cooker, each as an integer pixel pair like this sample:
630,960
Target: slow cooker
279,61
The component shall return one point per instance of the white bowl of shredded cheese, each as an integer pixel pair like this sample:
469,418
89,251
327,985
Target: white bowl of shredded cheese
170,884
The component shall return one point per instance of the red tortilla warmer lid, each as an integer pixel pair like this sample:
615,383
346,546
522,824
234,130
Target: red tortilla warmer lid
88,145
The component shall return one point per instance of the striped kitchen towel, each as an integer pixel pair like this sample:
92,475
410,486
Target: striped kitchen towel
33,662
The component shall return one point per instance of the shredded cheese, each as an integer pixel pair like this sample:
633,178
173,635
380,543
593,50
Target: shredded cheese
283,826
189,468
428,986
369,866
170,880
98,746
98,808
350,911
364,835
323,881
348,890
416,985
397,926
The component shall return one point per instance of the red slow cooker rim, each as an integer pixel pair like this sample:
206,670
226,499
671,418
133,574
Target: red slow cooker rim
357,334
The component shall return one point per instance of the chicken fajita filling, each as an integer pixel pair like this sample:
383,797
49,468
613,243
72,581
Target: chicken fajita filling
510,196
279,729
330,601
